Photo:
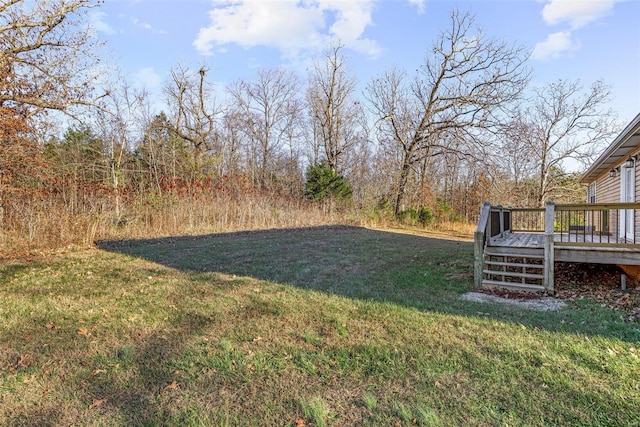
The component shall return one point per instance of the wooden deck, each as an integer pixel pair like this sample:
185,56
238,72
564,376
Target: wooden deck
536,240
572,248
525,259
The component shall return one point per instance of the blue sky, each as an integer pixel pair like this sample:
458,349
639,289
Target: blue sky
569,39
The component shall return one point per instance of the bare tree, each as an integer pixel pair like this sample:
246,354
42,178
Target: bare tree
231,138
46,63
160,153
464,81
120,124
334,110
47,56
564,122
270,108
194,112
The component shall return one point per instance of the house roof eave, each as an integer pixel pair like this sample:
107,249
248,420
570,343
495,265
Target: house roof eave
626,142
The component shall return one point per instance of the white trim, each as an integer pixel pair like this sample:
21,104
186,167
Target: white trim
627,195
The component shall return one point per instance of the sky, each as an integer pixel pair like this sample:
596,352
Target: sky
587,40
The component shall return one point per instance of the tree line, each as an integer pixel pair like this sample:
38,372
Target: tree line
467,126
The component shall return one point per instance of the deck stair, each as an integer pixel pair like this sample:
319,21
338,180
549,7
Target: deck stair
517,269
517,248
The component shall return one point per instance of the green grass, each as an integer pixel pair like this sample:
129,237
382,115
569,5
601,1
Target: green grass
332,326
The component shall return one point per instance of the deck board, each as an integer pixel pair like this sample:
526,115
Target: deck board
567,247
536,240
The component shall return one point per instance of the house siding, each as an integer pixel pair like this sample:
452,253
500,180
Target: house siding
608,188
608,191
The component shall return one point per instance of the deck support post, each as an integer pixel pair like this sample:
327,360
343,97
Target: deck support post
481,235
548,247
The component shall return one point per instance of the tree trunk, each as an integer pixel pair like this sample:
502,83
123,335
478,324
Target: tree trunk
402,183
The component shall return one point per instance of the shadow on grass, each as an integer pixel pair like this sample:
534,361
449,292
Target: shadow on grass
349,261
415,271
148,399
132,384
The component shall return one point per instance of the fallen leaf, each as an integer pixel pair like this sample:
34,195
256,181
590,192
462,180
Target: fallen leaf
24,360
97,403
83,331
96,372
28,379
173,386
299,422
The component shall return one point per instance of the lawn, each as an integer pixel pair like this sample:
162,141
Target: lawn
316,326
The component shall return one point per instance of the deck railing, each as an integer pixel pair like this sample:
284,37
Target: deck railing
601,224
530,220
582,226
481,237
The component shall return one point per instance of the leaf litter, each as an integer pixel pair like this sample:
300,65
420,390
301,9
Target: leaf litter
574,282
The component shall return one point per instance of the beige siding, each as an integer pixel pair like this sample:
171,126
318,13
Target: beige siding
637,198
608,191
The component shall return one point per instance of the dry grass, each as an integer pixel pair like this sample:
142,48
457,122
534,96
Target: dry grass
44,226
49,224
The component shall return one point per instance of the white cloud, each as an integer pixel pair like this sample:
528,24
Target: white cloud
148,78
577,13
146,26
98,24
555,45
419,4
292,26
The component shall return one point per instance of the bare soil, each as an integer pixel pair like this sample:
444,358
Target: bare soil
524,300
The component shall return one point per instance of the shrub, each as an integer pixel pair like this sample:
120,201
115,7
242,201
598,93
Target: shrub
412,216
409,216
322,182
425,215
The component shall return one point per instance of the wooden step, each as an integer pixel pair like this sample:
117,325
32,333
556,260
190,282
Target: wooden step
524,287
513,264
514,274
515,252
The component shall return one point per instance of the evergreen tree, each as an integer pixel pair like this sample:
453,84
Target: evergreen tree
322,182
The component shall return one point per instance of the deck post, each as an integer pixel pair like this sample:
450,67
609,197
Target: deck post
478,243
548,247
501,221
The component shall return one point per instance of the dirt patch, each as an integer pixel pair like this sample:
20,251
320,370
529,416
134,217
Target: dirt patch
525,301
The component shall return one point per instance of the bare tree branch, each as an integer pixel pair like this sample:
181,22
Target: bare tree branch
47,56
465,81
335,114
